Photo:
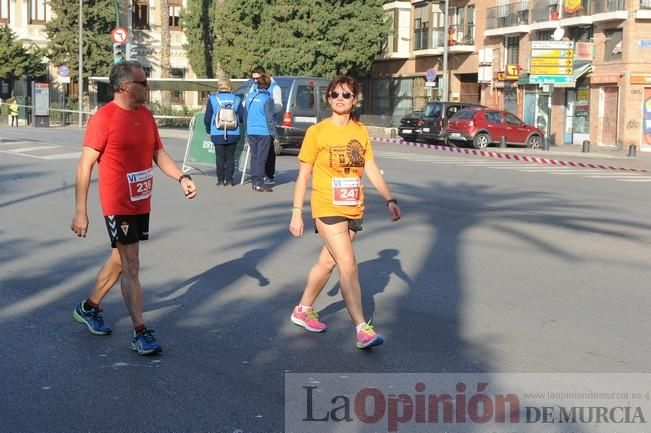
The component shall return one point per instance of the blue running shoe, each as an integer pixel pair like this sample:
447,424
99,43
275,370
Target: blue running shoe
144,343
92,318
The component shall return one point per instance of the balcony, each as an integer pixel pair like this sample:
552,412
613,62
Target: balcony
463,41
506,19
644,13
522,17
543,11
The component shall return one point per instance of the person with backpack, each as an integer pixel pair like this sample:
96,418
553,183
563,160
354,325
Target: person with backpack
224,114
260,129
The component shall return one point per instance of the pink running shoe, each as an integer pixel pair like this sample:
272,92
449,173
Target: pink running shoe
367,337
308,320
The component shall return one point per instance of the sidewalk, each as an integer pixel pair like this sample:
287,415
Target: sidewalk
555,151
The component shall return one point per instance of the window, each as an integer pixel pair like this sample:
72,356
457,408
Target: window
140,14
4,11
36,11
177,95
421,26
613,45
175,14
464,23
391,43
305,98
512,120
493,117
581,34
512,45
545,35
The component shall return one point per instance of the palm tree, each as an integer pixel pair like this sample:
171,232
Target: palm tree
165,46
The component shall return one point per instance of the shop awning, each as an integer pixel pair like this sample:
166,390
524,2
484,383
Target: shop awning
576,74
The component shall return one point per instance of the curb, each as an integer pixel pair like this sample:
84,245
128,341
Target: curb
506,156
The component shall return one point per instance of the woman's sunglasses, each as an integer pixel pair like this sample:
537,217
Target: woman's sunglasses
346,95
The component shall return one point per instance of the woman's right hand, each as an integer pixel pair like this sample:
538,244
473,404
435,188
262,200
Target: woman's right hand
296,224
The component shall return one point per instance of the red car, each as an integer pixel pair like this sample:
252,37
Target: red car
484,126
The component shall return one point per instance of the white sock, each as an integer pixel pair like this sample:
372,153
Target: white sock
304,308
360,326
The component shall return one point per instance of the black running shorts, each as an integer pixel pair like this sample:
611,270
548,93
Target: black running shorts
354,225
127,229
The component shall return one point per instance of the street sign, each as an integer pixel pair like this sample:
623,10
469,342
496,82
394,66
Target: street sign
550,79
550,70
553,53
63,71
430,74
551,62
548,61
119,35
552,45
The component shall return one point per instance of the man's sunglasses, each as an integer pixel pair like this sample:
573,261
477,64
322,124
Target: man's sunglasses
142,83
346,95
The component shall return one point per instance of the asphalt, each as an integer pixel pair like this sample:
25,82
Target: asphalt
641,160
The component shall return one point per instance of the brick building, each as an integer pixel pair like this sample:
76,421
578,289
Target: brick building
604,96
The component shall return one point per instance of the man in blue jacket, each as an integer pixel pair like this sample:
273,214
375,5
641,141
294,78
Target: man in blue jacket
223,138
260,129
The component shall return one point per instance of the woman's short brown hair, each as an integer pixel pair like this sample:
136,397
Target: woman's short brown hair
342,80
264,81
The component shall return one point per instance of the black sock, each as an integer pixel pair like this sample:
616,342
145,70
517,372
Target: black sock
88,304
140,328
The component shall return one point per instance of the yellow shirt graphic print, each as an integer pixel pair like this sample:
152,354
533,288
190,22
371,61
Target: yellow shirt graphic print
338,155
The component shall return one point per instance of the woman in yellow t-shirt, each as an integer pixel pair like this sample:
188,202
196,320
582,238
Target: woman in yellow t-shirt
336,152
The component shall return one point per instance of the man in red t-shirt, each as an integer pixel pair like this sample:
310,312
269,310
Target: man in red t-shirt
122,138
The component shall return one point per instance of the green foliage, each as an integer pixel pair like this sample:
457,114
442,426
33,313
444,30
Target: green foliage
184,114
295,37
18,60
197,20
63,36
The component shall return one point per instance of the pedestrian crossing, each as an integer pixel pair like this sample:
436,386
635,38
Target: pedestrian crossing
37,149
521,166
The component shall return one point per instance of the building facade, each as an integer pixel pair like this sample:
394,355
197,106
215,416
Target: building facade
576,68
142,20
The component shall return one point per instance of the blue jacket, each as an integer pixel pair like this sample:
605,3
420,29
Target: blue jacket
260,114
212,108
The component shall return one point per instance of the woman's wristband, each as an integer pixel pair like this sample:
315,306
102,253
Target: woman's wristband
184,176
296,209
392,200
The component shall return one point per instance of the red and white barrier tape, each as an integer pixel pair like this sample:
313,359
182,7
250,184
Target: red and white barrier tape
506,156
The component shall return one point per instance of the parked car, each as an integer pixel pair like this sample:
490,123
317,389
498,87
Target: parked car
304,103
482,127
410,126
430,126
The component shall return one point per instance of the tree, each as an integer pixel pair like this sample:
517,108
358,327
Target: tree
18,60
63,36
165,46
197,22
293,37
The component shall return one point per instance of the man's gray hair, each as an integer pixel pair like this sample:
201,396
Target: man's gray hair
121,73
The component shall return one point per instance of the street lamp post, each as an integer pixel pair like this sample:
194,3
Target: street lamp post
81,60
446,46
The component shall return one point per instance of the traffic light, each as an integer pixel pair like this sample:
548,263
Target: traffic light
118,53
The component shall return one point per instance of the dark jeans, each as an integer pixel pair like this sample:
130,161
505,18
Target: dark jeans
14,118
259,152
225,161
270,165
